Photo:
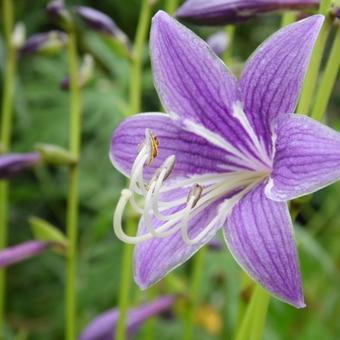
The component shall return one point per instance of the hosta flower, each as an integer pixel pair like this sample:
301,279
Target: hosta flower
103,327
14,164
228,155
218,12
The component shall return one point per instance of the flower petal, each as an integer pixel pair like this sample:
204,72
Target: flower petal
221,12
194,155
193,83
272,78
157,257
307,158
259,234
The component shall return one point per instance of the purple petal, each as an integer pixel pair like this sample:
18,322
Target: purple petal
193,83
157,257
220,12
194,155
307,157
272,78
14,164
21,252
103,326
259,234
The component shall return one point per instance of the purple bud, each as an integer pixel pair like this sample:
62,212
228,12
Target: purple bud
55,8
103,326
14,164
215,244
221,12
218,42
21,252
337,13
49,42
101,22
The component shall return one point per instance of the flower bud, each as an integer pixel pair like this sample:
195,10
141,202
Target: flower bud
12,165
221,12
21,252
56,155
85,73
218,42
46,43
19,35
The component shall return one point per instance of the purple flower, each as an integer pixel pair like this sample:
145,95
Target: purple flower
103,326
21,252
47,42
218,42
228,154
219,12
14,164
101,22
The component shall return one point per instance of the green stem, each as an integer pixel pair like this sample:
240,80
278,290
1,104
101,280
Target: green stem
288,18
138,54
313,70
6,132
73,200
254,320
125,283
227,57
171,6
328,79
198,265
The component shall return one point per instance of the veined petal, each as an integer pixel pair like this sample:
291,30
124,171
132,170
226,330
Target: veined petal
193,83
157,257
194,155
272,78
221,12
259,234
307,158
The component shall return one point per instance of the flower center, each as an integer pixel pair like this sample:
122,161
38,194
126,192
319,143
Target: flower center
172,204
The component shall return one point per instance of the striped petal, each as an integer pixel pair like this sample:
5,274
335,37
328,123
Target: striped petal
272,78
194,84
221,12
259,234
307,158
155,258
194,155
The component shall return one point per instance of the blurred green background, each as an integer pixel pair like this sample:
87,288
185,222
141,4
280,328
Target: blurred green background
35,289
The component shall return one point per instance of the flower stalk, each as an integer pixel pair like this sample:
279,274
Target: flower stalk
314,66
138,53
254,319
73,200
6,132
288,18
328,79
171,6
135,104
196,278
227,57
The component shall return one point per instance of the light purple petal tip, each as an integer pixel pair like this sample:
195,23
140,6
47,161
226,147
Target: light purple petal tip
103,326
14,164
259,234
218,42
307,158
220,12
21,252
